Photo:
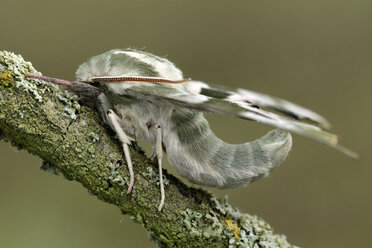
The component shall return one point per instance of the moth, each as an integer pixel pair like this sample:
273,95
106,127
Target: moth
144,96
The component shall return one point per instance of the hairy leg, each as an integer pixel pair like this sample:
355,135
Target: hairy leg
124,139
111,118
159,155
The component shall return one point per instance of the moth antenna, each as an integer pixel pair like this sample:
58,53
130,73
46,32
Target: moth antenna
139,79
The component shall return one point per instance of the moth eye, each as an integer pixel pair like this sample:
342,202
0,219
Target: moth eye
96,84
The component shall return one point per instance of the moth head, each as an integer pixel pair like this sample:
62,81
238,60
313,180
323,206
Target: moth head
127,63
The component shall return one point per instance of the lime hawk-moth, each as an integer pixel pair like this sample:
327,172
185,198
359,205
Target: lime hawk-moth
144,96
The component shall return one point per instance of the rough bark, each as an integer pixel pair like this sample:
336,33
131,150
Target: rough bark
72,140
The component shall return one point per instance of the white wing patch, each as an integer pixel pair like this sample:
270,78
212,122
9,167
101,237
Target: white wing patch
196,86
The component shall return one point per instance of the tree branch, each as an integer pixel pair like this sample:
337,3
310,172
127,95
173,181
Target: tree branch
73,141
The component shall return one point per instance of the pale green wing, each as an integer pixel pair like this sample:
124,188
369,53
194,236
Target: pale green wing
259,99
182,96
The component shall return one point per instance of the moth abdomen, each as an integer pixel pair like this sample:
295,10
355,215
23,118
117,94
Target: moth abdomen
201,157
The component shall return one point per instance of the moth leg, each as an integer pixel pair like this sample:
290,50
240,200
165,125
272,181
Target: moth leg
159,155
153,156
125,140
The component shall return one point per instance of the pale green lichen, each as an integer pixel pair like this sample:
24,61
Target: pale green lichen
91,150
21,113
95,137
71,112
191,221
165,181
72,103
115,176
19,67
149,173
215,229
244,232
225,209
78,152
256,227
76,105
152,177
254,232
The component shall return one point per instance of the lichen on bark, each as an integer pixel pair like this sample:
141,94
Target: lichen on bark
72,140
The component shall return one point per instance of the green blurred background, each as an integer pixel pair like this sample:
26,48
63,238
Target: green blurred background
316,53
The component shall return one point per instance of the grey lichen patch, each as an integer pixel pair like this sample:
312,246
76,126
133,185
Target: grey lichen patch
165,181
19,67
51,110
191,221
71,112
149,173
115,176
256,228
247,231
152,177
94,137
21,113
71,101
215,228
225,209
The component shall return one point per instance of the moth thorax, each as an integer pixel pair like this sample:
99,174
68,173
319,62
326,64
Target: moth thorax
127,63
